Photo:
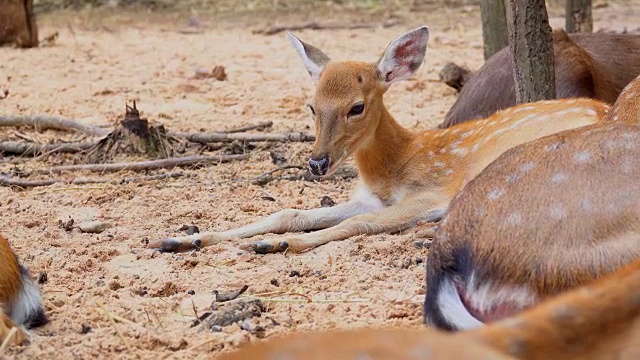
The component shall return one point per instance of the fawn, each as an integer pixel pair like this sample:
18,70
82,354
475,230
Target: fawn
404,177
593,65
20,302
595,322
544,217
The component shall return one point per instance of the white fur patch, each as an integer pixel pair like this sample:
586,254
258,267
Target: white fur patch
27,303
452,308
487,295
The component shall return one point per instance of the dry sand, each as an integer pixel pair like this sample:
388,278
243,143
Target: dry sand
93,69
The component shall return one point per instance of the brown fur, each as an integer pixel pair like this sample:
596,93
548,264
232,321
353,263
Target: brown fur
573,216
17,23
595,65
597,322
10,284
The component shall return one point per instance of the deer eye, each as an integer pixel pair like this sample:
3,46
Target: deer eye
356,110
313,112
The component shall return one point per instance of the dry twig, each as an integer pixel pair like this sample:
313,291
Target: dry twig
34,149
316,26
45,122
204,137
144,165
7,181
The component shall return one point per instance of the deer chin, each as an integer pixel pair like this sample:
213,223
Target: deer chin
335,165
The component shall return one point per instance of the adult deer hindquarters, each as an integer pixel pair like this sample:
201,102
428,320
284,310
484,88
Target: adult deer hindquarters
543,218
405,177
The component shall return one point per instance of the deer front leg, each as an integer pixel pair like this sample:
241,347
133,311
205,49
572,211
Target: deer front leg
388,220
289,220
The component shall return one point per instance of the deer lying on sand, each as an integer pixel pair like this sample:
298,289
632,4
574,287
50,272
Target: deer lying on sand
596,66
20,303
405,177
544,217
599,321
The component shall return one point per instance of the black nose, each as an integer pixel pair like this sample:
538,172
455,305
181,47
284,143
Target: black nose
319,166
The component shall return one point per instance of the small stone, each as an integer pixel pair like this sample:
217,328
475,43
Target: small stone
94,226
327,202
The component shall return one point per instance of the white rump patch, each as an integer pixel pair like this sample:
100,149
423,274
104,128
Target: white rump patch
452,308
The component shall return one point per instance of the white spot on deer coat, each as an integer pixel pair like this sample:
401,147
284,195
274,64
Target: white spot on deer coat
557,212
495,194
559,178
582,157
514,219
529,165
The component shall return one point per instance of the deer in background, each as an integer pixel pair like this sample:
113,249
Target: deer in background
543,218
599,321
595,66
20,302
405,177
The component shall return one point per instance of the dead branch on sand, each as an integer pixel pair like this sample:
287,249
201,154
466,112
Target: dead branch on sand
144,165
42,122
34,149
8,181
244,137
341,173
316,26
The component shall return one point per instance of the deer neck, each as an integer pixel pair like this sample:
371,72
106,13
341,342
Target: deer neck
378,161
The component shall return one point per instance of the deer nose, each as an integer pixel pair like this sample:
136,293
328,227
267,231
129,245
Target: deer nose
319,166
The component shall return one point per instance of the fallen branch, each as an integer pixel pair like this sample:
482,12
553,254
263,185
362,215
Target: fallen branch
144,165
7,181
204,137
341,173
259,126
316,26
44,122
34,149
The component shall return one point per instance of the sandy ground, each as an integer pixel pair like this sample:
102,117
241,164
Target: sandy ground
93,69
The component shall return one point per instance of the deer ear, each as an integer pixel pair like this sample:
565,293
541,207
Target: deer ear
403,56
312,57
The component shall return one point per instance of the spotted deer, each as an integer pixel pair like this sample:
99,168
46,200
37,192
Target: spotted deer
20,302
405,177
593,65
599,321
544,217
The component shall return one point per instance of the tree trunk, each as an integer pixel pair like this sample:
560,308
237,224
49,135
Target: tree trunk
494,26
531,50
578,16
